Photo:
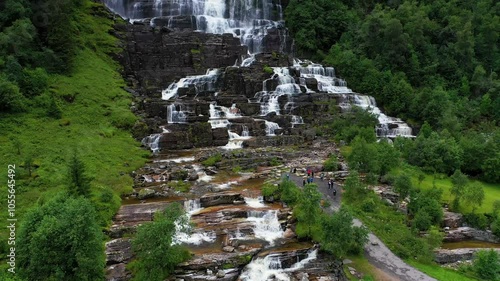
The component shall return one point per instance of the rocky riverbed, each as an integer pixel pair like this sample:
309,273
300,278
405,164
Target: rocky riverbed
237,235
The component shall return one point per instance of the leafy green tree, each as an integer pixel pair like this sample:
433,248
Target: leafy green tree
426,208
290,193
308,210
331,164
156,255
459,182
79,182
473,195
355,190
10,97
60,240
364,156
487,264
340,237
403,185
388,157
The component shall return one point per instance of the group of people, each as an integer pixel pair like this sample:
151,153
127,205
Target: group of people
310,179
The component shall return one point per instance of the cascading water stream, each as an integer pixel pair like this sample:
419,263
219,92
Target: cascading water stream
174,115
183,235
267,227
270,268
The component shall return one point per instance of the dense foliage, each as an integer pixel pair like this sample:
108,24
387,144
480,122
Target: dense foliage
61,240
54,68
423,61
335,232
156,255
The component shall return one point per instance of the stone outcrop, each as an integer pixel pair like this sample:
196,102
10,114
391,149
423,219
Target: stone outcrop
444,256
452,220
209,200
469,233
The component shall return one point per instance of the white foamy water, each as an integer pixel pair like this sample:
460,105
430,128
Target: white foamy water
182,236
267,227
226,185
255,202
270,268
177,160
153,142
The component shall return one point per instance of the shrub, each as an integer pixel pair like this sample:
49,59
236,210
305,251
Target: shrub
487,265
369,205
268,69
476,220
212,160
331,164
270,190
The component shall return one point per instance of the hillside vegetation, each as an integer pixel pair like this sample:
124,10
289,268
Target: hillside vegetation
61,99
433,62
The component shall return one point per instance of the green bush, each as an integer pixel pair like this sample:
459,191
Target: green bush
476,220
368,205
487,265
212,160
274,162
268,69
331,164
270,190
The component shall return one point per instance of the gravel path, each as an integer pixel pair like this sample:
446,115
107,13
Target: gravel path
376,251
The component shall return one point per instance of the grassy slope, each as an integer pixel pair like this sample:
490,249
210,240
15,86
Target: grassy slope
439,272
491,191
89,126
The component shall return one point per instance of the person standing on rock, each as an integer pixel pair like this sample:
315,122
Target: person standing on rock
334,192
303,182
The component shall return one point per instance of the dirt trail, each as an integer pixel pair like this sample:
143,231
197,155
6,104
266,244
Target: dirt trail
377,253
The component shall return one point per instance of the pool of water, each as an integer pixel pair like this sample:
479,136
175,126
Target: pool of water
469,244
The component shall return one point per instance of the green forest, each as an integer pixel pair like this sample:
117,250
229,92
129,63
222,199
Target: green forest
66,126
434,64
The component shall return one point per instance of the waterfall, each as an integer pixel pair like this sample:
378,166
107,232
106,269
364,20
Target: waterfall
327,82
267,226
269,100
235,141
270,268
174,115
255,202
296,120
153,142
271,127
247,20
389,127
201,83
245,132
183,235
192,206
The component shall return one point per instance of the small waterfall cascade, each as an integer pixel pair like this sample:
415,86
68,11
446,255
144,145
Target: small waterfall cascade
245,132
174,115
217,117
270,268
202,175
255,202
267,226
235,141
153,142
192,206
201,83
271,127
389,127
183,235
327,82
286,86
296,120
